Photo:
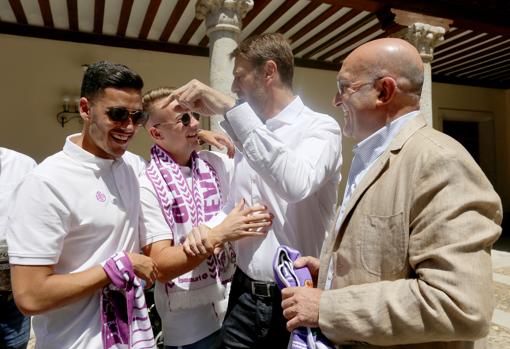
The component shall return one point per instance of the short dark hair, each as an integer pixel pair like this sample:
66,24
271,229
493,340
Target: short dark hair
103,74
259,49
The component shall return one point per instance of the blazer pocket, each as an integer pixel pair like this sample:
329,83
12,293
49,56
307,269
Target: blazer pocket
384,244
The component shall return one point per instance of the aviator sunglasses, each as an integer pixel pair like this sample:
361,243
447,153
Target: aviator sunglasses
118,114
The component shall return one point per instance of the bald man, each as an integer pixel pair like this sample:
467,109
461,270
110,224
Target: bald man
408,262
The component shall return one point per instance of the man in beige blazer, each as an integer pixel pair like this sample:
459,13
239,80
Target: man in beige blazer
408,262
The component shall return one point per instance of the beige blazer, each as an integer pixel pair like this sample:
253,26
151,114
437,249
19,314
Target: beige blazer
412,257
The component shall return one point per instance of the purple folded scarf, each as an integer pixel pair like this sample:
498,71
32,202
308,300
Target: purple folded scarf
286,275
124,318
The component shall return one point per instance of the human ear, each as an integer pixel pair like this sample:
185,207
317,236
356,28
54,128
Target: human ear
84,105
387,87
155,134
270,69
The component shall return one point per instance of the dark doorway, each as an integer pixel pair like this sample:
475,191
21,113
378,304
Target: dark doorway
466,133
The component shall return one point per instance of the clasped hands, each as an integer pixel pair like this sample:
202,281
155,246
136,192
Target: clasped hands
241,222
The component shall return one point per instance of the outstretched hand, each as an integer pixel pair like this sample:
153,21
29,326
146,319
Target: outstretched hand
198,97
218,140
241,222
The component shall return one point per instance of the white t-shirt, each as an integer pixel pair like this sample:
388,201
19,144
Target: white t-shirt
13,167
186,326
74,211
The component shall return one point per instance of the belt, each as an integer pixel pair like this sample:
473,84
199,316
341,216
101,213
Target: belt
256,288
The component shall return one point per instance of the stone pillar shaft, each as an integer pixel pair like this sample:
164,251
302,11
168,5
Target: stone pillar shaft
223,20
425,37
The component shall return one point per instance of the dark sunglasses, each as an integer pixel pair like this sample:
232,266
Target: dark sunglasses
185,119
118,114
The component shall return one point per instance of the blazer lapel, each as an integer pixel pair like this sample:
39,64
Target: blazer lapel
370,177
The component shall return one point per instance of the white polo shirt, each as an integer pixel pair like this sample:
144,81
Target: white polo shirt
13,167
74,211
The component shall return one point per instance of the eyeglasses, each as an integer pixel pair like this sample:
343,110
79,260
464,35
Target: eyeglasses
185,119
343,85
119,114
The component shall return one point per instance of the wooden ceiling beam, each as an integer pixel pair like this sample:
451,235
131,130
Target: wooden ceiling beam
367,32
98,16
351,29
317,21
72,13
19,13
100,39
125,12
173,19
466,66
273,17
492,15
257,8
44,6
333,26
298,17
152,9
504,67
192,28
466,53
454,41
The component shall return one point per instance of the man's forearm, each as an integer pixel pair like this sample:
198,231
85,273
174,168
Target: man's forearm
37,289
172,261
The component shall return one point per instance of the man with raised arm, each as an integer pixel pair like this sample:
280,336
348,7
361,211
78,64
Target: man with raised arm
289,159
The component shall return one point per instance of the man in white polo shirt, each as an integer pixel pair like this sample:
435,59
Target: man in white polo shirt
14,326
77,209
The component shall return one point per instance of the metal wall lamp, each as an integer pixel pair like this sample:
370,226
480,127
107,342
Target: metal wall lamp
69,111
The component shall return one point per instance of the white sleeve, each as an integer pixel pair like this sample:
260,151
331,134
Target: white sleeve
153,224
38,223
294,173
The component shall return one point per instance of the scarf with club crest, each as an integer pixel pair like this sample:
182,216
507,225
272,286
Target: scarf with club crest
184,208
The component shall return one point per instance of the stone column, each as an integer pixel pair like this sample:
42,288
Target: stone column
425,37
223,19
424,33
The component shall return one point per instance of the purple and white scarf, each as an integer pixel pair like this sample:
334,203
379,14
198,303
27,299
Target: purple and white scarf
125,321
286,275
184,208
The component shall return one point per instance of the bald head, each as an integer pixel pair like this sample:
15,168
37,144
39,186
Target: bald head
389,56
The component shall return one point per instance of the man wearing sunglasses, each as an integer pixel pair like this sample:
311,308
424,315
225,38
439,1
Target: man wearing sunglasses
77,209
289,160
180,191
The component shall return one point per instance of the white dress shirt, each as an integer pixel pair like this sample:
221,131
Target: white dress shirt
365,154
290,163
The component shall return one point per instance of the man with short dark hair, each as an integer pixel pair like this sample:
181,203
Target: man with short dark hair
289,160
408,264
76,210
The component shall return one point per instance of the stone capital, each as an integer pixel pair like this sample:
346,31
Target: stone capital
223,14
425,37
